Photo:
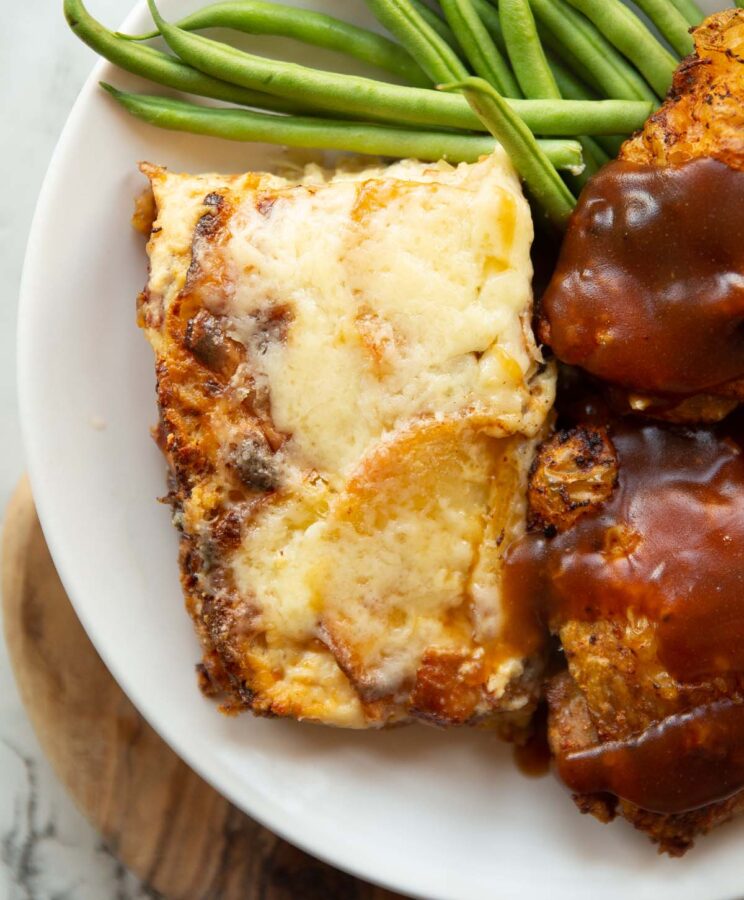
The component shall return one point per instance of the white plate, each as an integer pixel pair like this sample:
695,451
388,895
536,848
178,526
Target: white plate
442,815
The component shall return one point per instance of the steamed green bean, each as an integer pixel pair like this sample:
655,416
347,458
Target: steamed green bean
614,75
525,50
690,10
164,69
671,23
260,17
479,47
569,84
535,75
489,15
326,134
572,88
573,39
537,172
627,33
366,98
431,52
567,69
559,51
435,21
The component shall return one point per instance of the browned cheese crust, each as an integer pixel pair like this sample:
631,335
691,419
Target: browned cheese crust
329,643
195,364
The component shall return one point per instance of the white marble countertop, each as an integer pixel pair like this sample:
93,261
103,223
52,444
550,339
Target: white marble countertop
47,850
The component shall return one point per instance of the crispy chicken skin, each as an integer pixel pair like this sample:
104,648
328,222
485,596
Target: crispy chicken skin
704,112
616,685
703,116
600,317
573,471
572,729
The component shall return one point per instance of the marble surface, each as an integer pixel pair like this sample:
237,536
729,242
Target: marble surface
47,850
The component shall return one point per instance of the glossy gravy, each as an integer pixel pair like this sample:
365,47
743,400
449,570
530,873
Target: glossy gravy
649,289
668,545
683,763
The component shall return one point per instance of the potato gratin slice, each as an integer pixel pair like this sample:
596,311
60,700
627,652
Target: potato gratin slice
350,394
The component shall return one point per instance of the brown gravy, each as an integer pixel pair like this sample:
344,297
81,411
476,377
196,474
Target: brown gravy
668,545
533,757
649,289
685,762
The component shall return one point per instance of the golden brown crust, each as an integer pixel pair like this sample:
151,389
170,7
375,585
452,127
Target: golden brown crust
297,650
572,729
573,472
703,116
194,368
704,112
617,686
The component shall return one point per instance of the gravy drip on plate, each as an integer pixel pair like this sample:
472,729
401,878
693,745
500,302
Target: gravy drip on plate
649,289
668,548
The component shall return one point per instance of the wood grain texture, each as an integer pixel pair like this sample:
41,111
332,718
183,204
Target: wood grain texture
164,822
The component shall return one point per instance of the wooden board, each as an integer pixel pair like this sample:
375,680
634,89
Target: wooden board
164,822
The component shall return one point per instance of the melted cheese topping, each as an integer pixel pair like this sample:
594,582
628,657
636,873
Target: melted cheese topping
407,294
408,387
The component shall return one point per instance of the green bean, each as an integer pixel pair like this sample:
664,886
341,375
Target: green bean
438,24
594,158
481,50
572,78
570,61
535,75
259,17
615,76
369,99
670,22
490,17
164,69
573,39
431,52
611,143
691,11
625,31
566,68
600,156
572,88
563,84
568,117
570,85
325,134
537,172
525,50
